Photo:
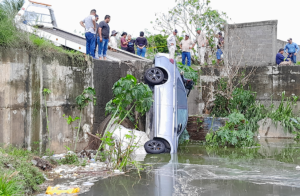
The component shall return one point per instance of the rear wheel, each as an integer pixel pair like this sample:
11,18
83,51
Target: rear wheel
154,76
154,147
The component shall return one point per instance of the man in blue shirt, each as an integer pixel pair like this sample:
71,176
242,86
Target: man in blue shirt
280,59
292,50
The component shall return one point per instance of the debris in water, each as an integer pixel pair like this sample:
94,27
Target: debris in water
298,167
54,190
87,184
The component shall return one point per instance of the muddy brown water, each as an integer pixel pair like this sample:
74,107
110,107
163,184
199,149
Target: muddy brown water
269,170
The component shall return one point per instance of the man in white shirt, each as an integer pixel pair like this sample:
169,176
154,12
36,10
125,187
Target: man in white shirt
202,42
89,23
171,40
185,46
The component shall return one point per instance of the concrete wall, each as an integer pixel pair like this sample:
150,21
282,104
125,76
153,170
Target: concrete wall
268,82
23,122
23,76
252,44
105,75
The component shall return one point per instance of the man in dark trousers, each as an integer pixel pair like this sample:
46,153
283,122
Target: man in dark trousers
103,37
97,26
89,23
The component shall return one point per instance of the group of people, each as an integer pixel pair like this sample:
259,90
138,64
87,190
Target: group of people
140,43
99,35
291,49
187,44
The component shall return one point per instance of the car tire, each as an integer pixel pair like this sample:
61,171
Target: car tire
167,145
155,147
154,76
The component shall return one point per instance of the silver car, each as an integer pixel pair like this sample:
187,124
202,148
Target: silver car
169,114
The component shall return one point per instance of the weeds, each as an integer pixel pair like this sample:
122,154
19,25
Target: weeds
234,133
189,72
19,160
88,95
9,185
284,113
70,158
129,97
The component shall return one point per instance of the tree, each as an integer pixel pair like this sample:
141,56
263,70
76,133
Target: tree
188,15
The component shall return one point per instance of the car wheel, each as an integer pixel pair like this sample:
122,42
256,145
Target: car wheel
154,76
167,145
154,147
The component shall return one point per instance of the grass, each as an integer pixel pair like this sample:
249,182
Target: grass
9,185
17,171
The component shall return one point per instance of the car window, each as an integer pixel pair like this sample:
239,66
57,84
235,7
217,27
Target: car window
182,112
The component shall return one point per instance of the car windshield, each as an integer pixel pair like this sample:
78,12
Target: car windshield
182,111
37,15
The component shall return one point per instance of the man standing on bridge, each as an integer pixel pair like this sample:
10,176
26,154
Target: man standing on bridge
171,40
97,26
89,23
103,38
291,49
201,41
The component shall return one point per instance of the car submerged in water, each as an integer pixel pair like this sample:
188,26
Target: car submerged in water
169,113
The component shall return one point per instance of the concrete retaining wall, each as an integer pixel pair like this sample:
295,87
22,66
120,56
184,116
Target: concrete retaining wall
23,76
251,43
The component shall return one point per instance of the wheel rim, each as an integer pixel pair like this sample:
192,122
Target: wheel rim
155,146
155,74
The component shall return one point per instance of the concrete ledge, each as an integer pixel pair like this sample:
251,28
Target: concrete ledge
267,129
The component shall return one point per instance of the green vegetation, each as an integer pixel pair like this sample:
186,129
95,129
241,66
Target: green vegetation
88,95
130,97
234,133
9,185
189,72
189,15
20,175
242,106
70,158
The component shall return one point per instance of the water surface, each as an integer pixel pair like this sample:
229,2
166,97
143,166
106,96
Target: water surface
268,170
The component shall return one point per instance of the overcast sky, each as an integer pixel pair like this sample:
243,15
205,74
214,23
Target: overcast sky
135,15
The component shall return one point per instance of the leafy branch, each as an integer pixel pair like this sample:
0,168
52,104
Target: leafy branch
88,95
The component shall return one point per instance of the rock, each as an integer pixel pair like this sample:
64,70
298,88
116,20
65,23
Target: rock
42,163
267,129
34,162
138,138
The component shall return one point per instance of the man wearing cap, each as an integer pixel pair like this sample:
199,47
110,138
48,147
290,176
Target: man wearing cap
280,59
171,40
185,46
113,40
292,50
201,41
89,23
